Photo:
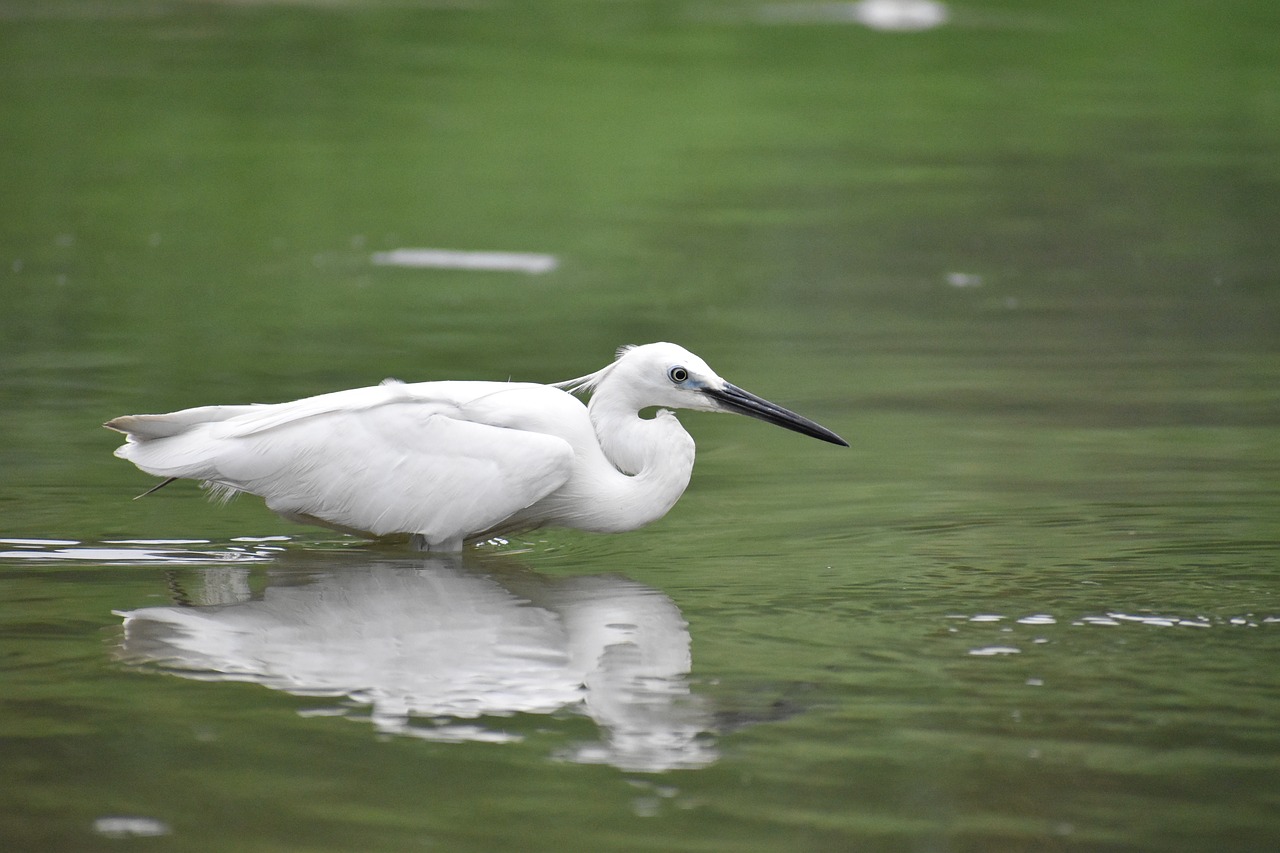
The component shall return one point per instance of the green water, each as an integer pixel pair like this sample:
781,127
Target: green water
1026,262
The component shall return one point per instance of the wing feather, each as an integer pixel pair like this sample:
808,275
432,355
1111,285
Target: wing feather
391,459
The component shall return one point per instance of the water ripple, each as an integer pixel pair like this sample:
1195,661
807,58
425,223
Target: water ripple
139,551
1113,618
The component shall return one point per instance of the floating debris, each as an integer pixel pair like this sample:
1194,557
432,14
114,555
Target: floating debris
888,15
453,259
119,826
901,15
964,279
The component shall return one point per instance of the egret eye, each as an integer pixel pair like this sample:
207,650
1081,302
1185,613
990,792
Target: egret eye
677,374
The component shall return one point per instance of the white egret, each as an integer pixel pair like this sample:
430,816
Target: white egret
450,462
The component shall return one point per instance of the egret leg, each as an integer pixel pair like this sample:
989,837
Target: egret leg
156,488
422,543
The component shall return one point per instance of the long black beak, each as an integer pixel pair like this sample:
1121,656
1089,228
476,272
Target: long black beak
734,399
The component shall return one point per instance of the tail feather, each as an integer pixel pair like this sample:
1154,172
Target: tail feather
173,445
150,427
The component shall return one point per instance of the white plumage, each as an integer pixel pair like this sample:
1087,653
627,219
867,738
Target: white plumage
447,462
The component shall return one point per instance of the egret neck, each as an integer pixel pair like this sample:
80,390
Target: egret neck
654,455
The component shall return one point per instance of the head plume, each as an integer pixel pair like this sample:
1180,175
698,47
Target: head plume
584,384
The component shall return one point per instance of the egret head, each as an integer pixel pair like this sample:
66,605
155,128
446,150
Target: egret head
664,374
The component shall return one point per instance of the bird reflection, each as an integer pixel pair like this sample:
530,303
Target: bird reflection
434,647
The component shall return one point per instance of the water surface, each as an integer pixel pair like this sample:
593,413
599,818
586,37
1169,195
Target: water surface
1023,260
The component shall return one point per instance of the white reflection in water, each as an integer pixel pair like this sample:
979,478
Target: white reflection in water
430,638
